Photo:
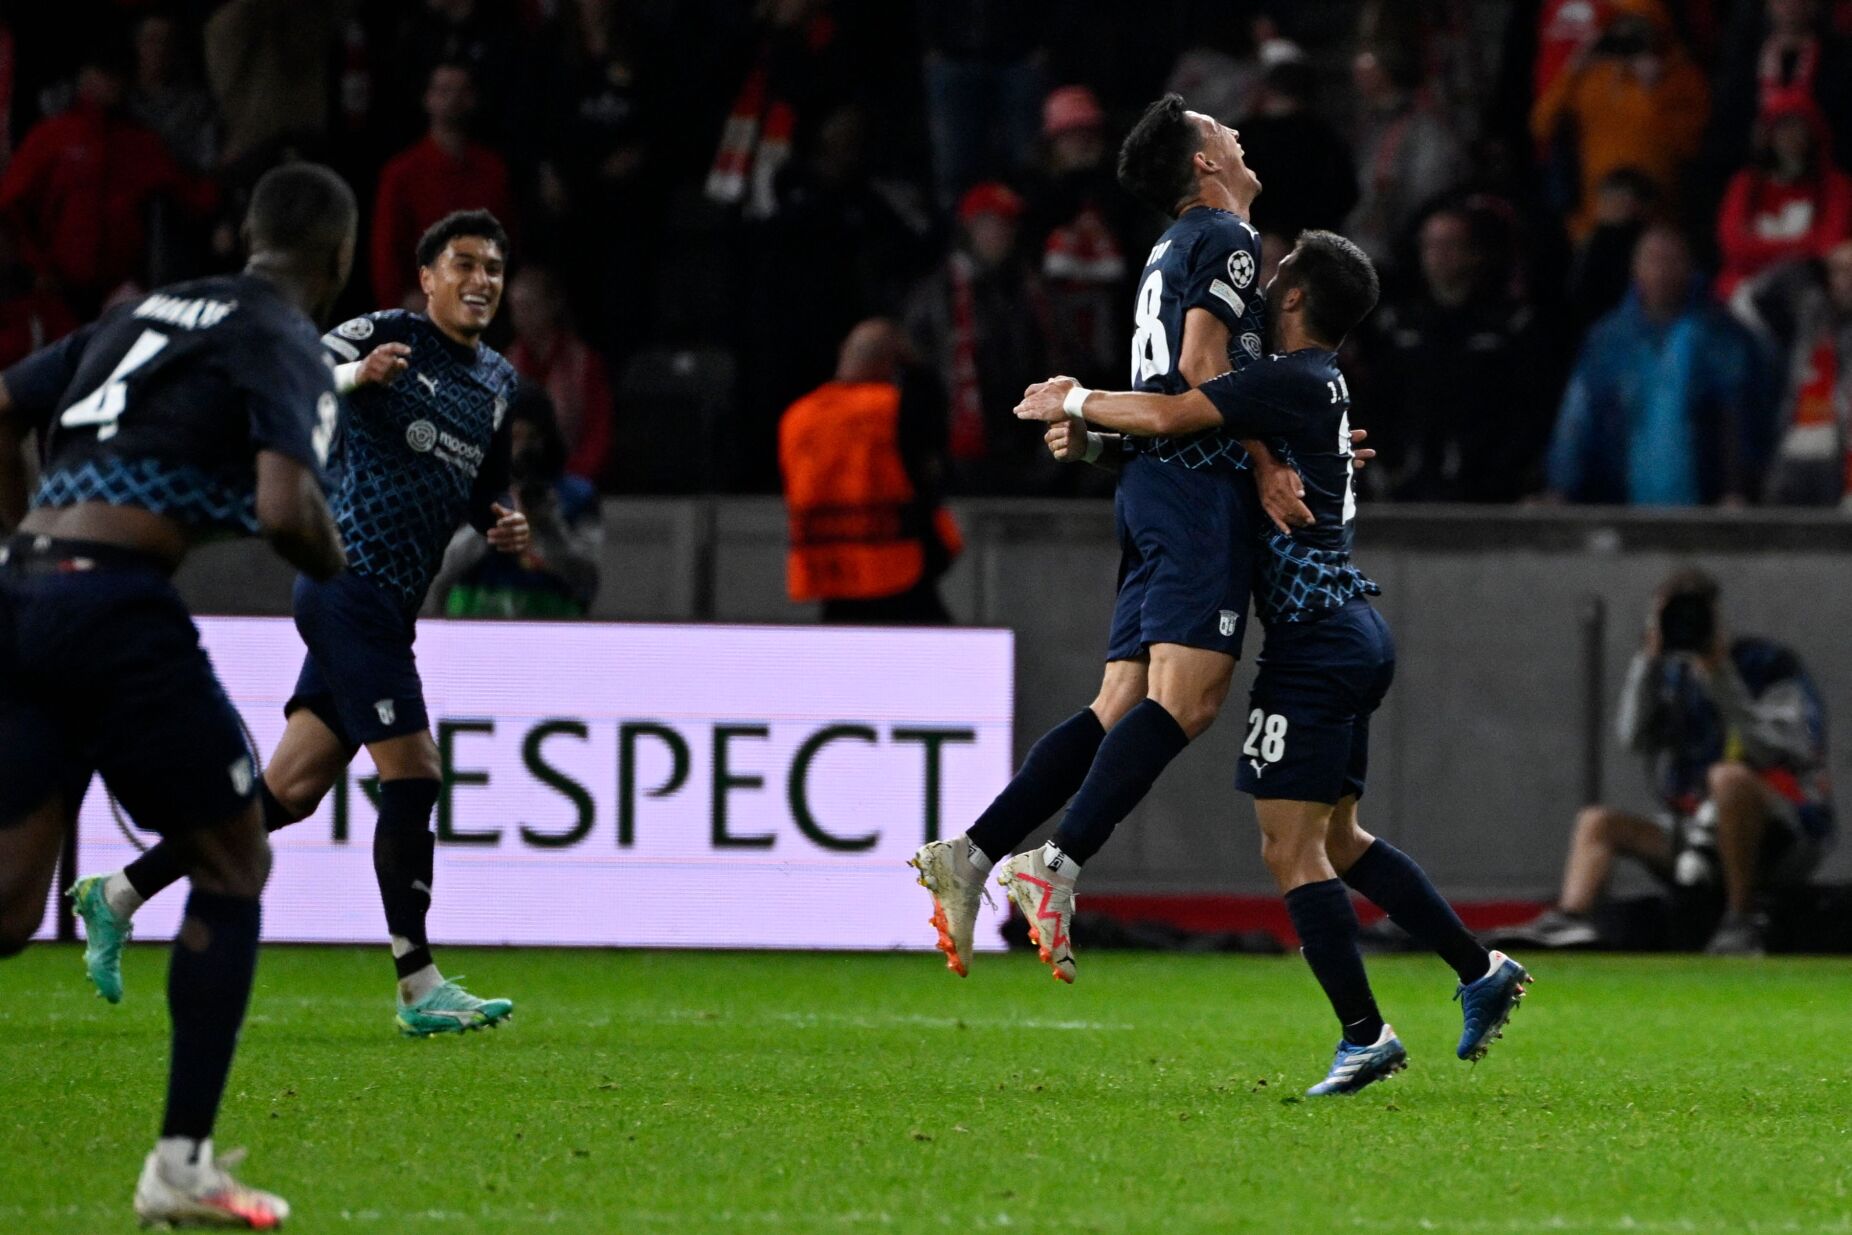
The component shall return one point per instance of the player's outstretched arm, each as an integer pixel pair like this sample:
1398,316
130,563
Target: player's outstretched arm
380,367
294,516
1141,415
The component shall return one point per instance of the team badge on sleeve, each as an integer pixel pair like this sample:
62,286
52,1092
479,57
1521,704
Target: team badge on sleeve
358,328
1241,267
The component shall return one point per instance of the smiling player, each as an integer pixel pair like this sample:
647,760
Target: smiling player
424,446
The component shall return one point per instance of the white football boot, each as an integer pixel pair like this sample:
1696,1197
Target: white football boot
204,1193
1046,899
957,888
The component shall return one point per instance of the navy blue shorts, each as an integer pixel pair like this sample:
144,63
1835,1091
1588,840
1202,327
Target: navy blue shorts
1186,547
360,676
101,671
1308,725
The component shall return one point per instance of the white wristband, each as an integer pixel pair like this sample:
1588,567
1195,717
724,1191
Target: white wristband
347,376
1075,399
1095,444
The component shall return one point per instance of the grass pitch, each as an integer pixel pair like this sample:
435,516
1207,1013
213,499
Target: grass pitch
771,1093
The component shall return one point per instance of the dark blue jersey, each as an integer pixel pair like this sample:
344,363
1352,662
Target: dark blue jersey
1299,404
164,403
418,457
1209,259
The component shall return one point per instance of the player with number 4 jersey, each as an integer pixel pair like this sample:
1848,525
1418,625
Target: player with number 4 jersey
1327,660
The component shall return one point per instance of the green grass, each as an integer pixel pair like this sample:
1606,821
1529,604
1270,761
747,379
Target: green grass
773,1093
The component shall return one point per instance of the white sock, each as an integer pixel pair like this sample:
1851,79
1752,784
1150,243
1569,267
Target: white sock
977,857
180,1156
120,895
1059,864
415,986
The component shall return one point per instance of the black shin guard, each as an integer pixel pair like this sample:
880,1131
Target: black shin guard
404,858
208,987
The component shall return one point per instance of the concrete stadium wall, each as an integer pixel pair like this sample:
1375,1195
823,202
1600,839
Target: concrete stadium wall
1480,756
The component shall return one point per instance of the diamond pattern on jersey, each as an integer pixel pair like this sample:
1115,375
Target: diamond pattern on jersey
1300,583
408,458
190,494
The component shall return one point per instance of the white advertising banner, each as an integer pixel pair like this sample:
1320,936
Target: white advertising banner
643,786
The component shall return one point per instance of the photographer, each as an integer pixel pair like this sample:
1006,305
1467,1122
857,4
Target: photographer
558,575
1735,736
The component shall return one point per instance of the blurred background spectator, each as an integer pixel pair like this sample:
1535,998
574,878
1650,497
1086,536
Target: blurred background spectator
711,194
1668,404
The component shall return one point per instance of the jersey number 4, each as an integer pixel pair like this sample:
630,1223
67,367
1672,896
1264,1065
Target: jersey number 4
1150,347
103,406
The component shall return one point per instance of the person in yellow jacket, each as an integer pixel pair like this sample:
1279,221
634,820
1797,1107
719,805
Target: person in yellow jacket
1633,98
861,456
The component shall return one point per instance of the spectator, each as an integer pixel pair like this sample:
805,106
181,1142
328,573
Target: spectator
168,99
1626,202
1443,400
981,322
1406,155
1793,203
1221,74
1632,99
1775,50
862,458
557,576
420,185
1083,225
1734,733
270,66
797,73
1813,462
1564,28
30,315
1668,402
1304,162
550,354
589,117
983,83
480,35
79,189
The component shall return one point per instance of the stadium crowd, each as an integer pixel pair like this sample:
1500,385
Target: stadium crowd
1616,239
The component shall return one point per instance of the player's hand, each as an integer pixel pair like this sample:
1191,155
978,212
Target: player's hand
510,533
1067,441
1281,490
1360,455
1042,401
383,365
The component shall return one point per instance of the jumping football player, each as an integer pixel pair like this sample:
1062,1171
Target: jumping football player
1185,534
1326,663
199,409
423,447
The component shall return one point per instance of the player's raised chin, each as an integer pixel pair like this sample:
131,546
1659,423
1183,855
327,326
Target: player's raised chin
463,287
1043,401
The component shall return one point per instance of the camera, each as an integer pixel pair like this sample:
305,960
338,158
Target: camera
1688,623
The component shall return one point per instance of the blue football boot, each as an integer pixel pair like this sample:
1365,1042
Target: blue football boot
1488,1004
1358,1066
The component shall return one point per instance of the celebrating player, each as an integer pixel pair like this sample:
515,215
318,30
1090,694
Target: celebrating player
1326,664
423,446
201,408
1185,536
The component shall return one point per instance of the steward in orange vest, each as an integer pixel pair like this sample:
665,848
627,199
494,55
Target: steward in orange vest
868,537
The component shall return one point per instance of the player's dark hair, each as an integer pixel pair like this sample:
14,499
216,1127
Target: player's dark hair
304,210
1155,159
478,223
1339,282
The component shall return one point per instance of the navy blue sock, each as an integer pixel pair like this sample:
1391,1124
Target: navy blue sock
404,859
1327,925
1129,762
1049,775
208,986
1390,880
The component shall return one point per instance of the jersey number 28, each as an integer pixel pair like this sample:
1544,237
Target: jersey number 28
1150,347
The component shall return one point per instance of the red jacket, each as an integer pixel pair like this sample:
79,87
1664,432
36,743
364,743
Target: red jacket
574,377
78,190
1763,222
419,186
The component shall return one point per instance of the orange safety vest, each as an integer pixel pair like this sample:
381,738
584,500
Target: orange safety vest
856,531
